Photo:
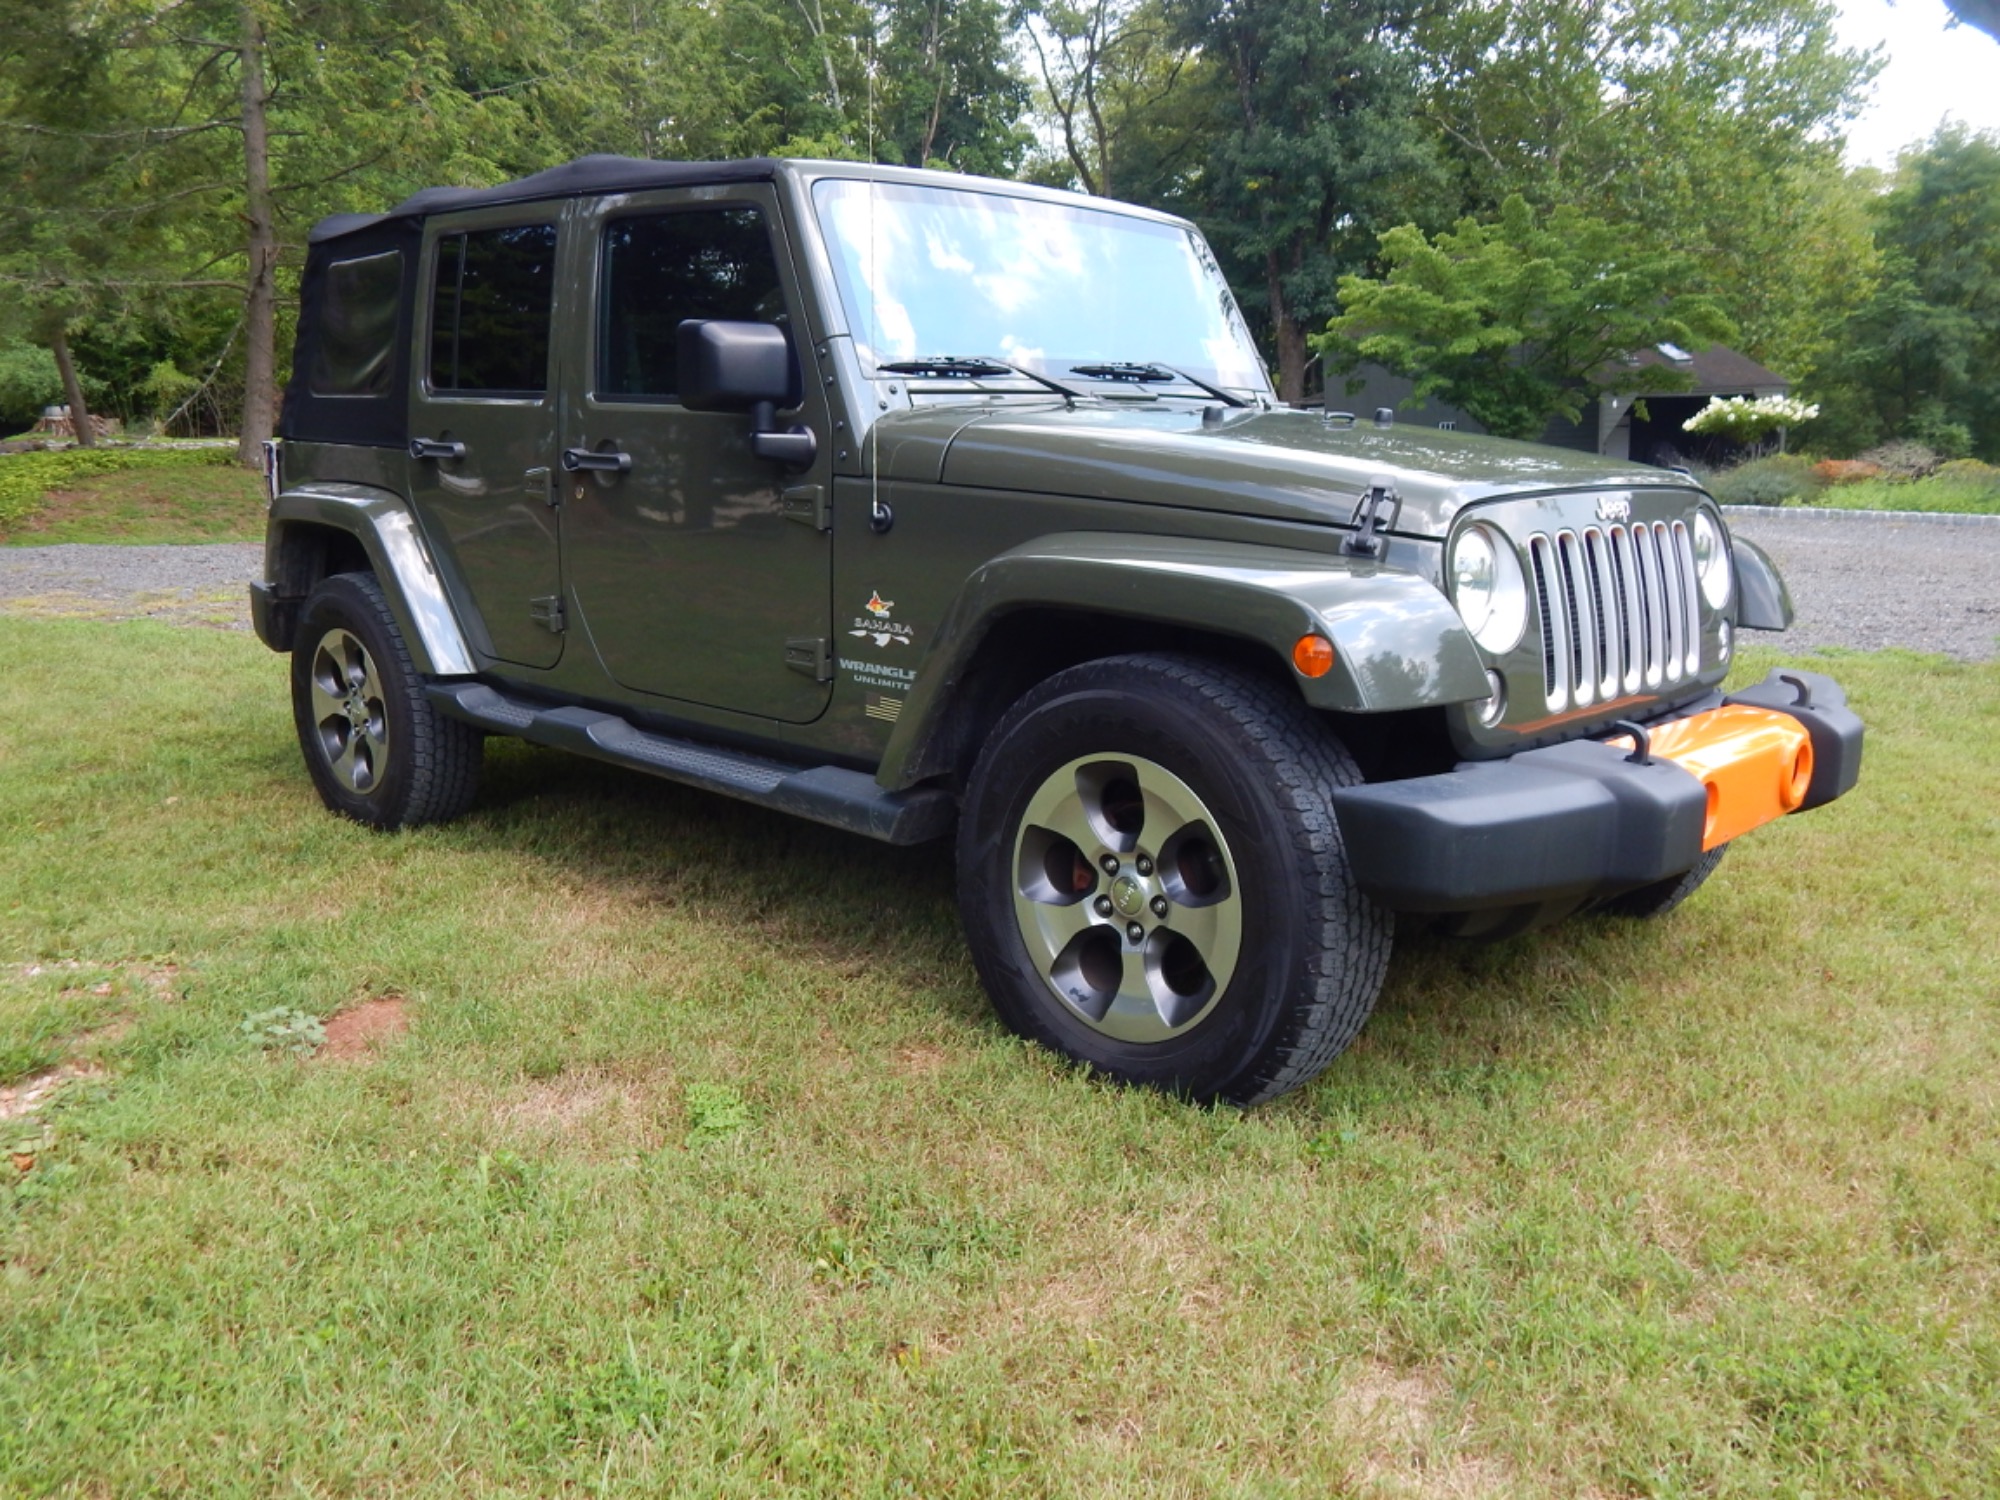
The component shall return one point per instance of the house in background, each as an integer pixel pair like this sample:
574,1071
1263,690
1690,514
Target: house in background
1608,426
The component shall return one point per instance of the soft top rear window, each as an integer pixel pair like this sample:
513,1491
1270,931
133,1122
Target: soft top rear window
355,354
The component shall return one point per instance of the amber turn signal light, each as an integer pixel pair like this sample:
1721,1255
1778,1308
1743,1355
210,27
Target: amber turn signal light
1313,656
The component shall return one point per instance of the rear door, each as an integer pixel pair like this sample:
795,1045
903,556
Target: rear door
701,571
483,423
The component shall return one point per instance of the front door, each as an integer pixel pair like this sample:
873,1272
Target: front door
482,425
697,578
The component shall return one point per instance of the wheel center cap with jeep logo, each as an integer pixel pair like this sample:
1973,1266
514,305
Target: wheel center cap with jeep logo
1128,896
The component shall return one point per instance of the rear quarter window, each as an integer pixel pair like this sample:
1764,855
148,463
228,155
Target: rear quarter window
355,353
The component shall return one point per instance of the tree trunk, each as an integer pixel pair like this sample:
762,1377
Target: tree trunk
1291,337
79,414
260,302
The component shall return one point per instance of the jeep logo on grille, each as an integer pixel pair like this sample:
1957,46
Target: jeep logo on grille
1614,510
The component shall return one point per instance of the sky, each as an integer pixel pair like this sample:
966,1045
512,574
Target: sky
1932,71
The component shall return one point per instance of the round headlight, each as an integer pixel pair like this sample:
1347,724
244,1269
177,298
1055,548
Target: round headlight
1487,587
1711,560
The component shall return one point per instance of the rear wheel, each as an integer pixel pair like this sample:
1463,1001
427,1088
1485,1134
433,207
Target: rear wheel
376,749
1152,880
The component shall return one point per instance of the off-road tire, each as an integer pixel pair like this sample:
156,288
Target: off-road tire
1313,949
423,767
1662,896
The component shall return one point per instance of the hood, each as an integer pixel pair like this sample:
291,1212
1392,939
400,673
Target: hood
1286,465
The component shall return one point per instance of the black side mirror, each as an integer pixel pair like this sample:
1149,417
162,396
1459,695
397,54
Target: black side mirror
733,366
744,367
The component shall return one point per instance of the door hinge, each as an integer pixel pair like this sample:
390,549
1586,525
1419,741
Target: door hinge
809,505
544,480
813,657
547,612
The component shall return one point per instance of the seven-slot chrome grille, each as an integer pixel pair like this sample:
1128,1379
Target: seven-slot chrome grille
1620,608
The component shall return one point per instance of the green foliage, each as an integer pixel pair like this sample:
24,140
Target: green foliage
284,1029
1963,487
1776,480
26,477
1524,319
28,382
1704,124
1319,150
715,1112
1131,103
1921,358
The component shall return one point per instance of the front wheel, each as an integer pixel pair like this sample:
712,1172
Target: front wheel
376,749
1152,880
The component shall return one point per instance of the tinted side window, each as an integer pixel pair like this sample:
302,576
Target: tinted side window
357,326
490,315
661,269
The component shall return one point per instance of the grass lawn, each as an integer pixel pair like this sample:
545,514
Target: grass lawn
662,1145
153,495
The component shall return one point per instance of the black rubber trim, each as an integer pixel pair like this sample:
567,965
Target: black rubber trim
1836,732
833,795
1570,822
1567,821
276,620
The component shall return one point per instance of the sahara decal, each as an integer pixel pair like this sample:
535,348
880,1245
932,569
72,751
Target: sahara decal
876,626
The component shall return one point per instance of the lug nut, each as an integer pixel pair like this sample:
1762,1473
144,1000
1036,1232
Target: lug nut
1135,932
1145,865
1102,905
1159,906
1109,864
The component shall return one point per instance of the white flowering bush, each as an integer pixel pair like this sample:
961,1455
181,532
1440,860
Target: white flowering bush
1738,419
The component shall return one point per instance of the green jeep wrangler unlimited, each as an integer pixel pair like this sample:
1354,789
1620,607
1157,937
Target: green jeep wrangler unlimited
909,502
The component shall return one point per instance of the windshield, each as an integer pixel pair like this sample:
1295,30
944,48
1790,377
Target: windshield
926,272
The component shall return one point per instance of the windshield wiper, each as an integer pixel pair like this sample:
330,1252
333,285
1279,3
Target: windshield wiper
971,367
1151,373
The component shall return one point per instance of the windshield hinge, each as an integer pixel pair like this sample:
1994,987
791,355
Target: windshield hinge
547,612
809,505
813,656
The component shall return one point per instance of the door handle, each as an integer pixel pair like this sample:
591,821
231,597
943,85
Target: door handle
613,462
423,448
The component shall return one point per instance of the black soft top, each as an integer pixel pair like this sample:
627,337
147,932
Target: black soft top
376,415
573,179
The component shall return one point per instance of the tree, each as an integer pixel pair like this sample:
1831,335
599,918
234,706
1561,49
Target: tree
1708,125
1132,104
1521,320
1921,358
1320,148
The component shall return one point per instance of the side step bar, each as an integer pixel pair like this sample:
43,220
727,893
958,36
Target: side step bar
826,794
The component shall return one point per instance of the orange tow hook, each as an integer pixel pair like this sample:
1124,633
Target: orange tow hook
1754,763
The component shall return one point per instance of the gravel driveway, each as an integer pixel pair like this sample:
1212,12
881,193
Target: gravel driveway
1929,583
1872,579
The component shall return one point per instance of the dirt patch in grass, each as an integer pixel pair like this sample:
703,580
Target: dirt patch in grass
1397,1414
365,1029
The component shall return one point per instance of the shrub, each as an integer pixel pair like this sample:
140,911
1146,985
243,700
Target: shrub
1969,471
1845,470
1902,459
1738,419
1768,481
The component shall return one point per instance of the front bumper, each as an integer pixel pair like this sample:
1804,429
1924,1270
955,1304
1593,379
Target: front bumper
1550,830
